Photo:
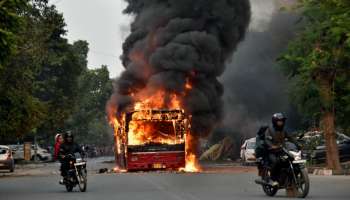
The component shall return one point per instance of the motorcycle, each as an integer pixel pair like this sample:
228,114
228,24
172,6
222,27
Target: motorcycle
292,174
77,174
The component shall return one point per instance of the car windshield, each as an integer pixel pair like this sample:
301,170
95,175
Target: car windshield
251,145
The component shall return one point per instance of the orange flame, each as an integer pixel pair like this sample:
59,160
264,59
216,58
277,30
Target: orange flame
158,100
188,85
191,164
141,132
118,170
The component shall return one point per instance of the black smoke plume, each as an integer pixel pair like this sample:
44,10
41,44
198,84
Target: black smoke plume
255,86
174,42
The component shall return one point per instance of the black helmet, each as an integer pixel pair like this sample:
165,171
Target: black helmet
68,134
278,117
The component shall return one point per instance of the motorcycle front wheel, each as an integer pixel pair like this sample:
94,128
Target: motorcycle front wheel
82,182
303,183
269,190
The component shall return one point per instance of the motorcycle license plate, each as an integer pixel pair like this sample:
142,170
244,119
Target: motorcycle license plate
157,166
78,164
299,161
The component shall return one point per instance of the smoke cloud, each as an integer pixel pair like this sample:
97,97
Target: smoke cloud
173,44
255,88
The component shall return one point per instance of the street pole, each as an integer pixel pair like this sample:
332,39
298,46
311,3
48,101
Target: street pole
35,150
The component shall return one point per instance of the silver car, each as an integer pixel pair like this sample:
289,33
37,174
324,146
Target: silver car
6,159
42,154
248,151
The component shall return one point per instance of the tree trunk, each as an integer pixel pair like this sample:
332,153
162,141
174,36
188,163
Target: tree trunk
330,140
328,121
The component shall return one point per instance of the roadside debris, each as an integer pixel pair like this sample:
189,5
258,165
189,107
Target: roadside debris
218,151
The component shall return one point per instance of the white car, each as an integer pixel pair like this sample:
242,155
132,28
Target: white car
42,154
6,159
248,151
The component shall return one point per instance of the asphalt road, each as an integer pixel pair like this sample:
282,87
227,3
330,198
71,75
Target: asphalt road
163,186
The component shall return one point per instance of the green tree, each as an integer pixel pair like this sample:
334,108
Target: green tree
44,81
58,82
20,111
318,64
9,23
39,82
88,121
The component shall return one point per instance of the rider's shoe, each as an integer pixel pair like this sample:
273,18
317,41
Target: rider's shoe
273,183
62,181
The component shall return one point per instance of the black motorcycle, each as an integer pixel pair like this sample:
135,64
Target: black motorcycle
77,174
292,174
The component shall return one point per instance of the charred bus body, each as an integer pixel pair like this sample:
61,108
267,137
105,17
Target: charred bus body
151,139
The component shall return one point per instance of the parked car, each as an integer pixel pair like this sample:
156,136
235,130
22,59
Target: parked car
42,154
319,154
316,150
248,151
6,158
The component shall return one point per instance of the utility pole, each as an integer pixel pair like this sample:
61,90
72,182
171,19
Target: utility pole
35,150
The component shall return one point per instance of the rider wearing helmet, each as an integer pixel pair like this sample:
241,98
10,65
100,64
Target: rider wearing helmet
68,147
269,142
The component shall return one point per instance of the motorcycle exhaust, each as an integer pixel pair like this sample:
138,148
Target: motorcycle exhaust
262,182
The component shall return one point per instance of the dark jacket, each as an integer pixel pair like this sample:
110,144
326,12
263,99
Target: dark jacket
277,138
260,147
69,148
267,138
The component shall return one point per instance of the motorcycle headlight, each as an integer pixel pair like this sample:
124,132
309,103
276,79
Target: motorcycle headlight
296,155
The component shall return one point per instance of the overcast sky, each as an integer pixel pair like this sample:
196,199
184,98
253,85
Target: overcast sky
102,24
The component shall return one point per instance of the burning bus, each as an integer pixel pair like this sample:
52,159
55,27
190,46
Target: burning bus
172,62
149,139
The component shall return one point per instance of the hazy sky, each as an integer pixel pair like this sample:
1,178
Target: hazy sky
102,24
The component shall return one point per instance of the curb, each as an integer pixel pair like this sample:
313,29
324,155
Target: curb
327,172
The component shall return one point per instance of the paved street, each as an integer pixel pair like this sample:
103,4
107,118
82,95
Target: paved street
52,168
161,186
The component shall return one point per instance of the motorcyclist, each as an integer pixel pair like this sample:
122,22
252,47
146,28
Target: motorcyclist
268,145
66,148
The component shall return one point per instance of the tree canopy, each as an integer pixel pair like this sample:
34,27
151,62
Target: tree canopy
9,23
44,79
88,120
323,45
318,65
